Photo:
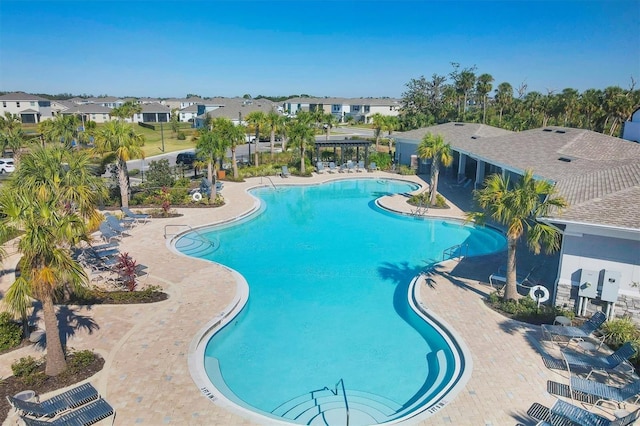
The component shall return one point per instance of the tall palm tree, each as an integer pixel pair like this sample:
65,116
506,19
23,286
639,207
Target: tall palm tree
235,135
211,146
63,129
504,98
126,110
377,120
11,134
118,141
256,119
434,147
517,208
302,136
274,123
329,121
483,87
50,198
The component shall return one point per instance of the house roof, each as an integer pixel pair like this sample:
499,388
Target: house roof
155,107
21,96
87,109
344,101
233,107
598,175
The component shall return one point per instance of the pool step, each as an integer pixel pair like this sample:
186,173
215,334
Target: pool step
195,247
323,407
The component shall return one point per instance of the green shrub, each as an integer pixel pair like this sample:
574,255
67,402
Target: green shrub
406,170
10,332
181,136
79,360
133,172
25,366
526,309
619,331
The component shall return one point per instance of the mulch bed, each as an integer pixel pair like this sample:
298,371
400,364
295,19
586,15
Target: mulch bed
118,298
12,385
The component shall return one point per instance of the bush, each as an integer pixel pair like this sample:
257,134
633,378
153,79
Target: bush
159,174
181,136
382,160
10,332
133,172
25,366
406,170
79,360
526,309
619,331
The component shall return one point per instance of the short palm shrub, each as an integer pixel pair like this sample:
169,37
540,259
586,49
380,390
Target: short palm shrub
526,309
406,170
619,331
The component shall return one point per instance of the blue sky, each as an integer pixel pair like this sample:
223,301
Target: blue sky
329,48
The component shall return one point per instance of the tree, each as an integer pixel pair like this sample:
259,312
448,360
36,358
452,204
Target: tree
50,198
328,122
11,134
118,141
126,110
483,87
62,129
378,122
274,122
235,135
504,97
175,120
302,136
256,119
463,82
435,148
212,145
518,208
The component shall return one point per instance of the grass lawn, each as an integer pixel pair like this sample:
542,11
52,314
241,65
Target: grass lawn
153,139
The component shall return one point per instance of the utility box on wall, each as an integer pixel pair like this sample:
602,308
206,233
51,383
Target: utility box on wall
610,286
588,284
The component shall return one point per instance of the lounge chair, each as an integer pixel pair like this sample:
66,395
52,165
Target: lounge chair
584,390
320,167
83,416
360,166
590,363
351,167
373,167
332,167
219,185
285,172
118,225
565,414
72,398
137,217
108,234
575,333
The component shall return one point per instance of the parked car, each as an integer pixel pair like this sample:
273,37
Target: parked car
6,165
186,159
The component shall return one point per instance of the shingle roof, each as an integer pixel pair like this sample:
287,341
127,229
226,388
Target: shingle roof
155,107
344,101
87,109
454,132
234,106
598,175
21,96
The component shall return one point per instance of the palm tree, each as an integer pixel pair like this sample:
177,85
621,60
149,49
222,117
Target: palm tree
329,122
235,135
303,137
517,208
49,198
118,141
11,134
377,120
211,146
504,98
274,122
483,87
256,119
126,110
435,148
62,129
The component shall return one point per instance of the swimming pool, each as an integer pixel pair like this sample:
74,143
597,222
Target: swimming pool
328,323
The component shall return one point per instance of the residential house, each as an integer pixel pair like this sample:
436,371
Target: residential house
86,112
361,109
599,176
153,113
235,109
31,109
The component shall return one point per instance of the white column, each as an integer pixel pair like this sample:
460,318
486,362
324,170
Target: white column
462,164
479,173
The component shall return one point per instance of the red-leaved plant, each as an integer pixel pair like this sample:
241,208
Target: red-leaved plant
127,271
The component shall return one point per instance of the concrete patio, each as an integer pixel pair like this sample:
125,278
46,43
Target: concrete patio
146,377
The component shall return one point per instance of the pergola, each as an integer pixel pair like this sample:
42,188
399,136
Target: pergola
342,144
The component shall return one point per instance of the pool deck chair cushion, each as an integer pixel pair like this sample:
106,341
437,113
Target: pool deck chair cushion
552,332
332,167
83,416
67,400
320,167
285,172
373,167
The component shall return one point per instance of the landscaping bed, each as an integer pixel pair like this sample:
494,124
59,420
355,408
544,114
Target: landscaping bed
120,297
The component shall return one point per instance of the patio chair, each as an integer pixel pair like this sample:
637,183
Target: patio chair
574,333
285,172
83,416
360,166
332,167
589,363
565,414
351,167
320,167
108,234
592,392
373,167
137,217
219,185
72,398
118,225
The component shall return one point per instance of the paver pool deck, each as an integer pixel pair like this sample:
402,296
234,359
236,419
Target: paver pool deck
146,376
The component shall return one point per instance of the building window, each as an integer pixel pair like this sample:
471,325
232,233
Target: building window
18,104
336,108
93,116
4,104
355,108
104,117
366,108
32,104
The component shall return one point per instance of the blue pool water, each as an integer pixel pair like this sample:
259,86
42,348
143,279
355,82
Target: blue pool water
328,273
